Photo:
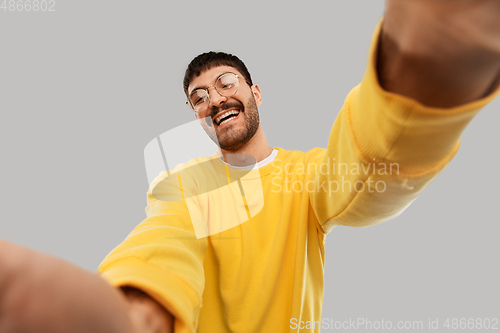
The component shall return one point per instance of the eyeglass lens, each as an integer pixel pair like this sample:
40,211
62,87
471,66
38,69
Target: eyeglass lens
226,85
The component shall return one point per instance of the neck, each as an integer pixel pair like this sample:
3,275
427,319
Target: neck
254,151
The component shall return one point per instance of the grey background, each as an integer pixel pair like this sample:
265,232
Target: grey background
85,88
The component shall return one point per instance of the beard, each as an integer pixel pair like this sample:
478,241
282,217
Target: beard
229,138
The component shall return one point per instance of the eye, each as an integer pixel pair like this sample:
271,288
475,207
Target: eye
227,81
199,100
228,85
198,97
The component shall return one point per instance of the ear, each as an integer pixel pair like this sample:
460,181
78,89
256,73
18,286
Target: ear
256,94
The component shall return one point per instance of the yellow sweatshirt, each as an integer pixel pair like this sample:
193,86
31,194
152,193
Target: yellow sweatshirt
226,250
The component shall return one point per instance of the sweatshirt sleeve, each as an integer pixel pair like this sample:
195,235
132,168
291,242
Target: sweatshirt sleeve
162,256
383,150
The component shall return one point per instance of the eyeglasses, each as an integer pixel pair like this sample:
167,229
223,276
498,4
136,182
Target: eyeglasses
226,85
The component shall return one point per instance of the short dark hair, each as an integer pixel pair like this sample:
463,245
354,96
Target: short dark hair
208,60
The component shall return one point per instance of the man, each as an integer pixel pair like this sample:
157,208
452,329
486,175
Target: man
407,115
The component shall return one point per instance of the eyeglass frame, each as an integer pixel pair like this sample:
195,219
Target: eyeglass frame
215,86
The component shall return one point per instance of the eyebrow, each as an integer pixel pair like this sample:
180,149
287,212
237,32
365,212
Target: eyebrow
205,87
198,87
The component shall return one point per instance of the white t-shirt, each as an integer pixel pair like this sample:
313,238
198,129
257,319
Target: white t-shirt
260,164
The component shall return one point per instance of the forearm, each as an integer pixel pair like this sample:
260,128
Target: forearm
40,293
441,53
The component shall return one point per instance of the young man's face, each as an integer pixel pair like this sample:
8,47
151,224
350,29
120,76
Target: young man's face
238,129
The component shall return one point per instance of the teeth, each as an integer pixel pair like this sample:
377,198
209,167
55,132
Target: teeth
225,121
217,120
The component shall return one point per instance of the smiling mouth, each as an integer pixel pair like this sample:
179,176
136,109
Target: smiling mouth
226,117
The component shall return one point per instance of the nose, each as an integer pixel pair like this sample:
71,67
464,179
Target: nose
216,99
